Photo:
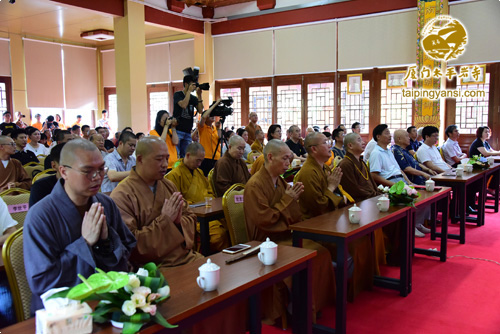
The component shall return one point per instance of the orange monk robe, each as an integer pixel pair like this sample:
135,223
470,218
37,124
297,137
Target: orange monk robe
159,239
172,149
194,187
257,164
257,147
317,200
251,128
269,212
357,181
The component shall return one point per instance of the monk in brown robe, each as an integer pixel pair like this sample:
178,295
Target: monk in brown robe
271,206
154,210
12,175
252,127
319,197
258,144
231,168
357,181
257,165
194,187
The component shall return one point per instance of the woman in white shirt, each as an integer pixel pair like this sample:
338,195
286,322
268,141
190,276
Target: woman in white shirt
34,145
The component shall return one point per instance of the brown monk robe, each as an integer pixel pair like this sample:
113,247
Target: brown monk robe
231,168
257,164
357,181
252,127
319,197
271,206
164,226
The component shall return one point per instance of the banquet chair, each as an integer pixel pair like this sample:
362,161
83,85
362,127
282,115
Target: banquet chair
43,174
13,259
41,158
19,198
234,214
33,168
211,181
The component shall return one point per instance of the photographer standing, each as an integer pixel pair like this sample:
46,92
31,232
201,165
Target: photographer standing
184,104
165,129
209,139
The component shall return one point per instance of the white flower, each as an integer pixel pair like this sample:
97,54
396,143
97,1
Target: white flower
386,189
128,308
138,300
164,291
142,272
142,290
381,187
133,282
151,309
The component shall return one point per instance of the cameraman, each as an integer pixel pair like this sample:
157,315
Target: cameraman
184,104
209,139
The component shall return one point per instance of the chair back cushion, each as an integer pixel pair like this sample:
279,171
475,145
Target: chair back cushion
18,206
33,170
13,259
232,203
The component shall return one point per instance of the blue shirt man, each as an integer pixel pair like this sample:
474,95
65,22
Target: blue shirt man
119,162
404,160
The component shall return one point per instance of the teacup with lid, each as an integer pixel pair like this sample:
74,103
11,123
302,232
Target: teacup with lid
268,252
209,276
355,214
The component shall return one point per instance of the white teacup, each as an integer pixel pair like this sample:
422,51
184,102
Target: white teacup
429,185
468,168
268,252
491,160
460,171
383,203
355,214
209,276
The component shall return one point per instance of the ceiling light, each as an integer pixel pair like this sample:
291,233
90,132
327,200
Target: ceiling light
98,35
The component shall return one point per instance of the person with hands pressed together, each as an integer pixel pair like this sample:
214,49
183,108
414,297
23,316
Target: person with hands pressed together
154,210
74,229
209,138
12,173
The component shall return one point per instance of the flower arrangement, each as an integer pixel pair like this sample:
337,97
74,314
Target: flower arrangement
478,162
401,194
128,298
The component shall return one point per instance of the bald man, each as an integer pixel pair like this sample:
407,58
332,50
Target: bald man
231,168
252,127
154,210
194,187
271,206
416,172
74,229
12,173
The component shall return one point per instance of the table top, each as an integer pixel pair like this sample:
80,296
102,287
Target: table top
203,211
336,223
426,196
466,177
187,298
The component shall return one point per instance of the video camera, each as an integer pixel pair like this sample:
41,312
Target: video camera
223,109
194,72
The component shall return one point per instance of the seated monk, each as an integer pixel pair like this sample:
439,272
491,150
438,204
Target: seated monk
12,173
154,210
358,183
319,197
258,144
271,206
194,187
231,168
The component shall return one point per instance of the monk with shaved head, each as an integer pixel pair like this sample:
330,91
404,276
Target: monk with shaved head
154,210
231,168
74,229
12,173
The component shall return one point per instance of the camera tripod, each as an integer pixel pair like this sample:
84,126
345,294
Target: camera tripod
222,139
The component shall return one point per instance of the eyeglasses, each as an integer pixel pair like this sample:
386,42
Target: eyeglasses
11,144
91,174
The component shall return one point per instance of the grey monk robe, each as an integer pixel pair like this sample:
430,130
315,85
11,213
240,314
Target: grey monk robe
55,251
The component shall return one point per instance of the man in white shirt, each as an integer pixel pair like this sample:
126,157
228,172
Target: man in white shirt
428,154
451,149
368,149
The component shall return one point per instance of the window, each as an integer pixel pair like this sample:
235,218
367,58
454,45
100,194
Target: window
46,112
157,101
87,118
3,97
289,103
396,110
355,108
320,104
472,112
261,102
235,119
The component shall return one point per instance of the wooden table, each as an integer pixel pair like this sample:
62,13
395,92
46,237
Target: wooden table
458,206
439,202
239,281
206,215
335,227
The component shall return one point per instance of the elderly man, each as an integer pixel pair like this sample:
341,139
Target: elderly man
412,148
451,149
258,144
22,154
154,210
98,141
108,144
12,173
338,149
271,206
209,139
119,162
299,152
416,172
194,187
231,169
75,229
428,154
252,127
